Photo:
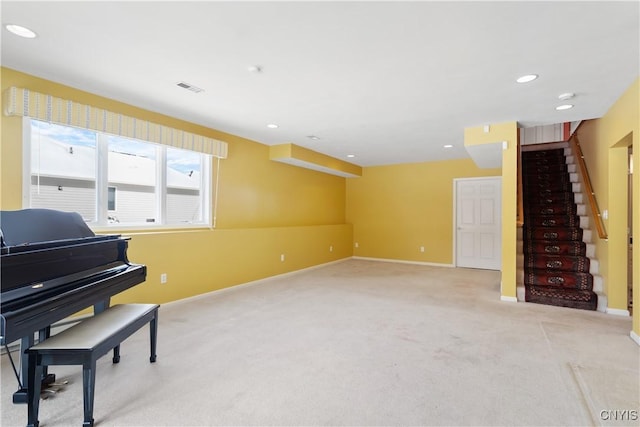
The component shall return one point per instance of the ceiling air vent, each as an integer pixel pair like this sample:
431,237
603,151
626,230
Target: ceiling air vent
187,86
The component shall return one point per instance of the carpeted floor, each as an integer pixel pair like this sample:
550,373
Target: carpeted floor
359,343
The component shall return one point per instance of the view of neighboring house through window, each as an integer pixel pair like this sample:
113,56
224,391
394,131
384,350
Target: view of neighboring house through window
184,188
113,180
132,168
111,199
63,169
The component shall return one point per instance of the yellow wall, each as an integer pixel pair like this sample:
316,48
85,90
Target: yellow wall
396,209
604,144
265,209
201,261
258,192
507,132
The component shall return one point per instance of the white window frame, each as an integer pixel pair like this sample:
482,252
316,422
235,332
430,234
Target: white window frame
102,184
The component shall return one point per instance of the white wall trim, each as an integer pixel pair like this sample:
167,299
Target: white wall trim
508,299
618,312
255,282
401,261
635,337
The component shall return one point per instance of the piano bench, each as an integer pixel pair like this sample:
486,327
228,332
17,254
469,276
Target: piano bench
83,344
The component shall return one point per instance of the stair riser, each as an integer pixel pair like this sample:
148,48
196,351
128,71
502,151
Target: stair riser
539,221
545,199
557,263
567,208
559,168
580,281
553,233
574,248
584,300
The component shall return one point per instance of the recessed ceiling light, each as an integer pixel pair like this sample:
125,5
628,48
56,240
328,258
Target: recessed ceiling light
564,107
527,78
20,31
315,138
448,146
254,69
565,96
351,156
272,126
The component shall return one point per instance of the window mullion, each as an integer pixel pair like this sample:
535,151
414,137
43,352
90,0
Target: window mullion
28,144
209,203
102,179
161,185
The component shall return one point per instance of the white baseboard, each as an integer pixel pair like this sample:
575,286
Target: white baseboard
618,312
508,299
401,261
635,337
255,282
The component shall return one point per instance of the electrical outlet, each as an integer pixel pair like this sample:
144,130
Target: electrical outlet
282,257
421,248
330,248
163,278
356,245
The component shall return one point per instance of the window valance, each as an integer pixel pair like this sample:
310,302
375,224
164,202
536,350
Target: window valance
24,102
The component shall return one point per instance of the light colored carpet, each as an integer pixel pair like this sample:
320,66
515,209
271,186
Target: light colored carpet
359,343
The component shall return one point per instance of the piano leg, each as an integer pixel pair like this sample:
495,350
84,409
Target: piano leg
21,396
101,306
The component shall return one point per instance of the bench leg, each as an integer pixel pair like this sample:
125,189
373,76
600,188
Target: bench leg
116,354
88,389
34,372
44,334
153,335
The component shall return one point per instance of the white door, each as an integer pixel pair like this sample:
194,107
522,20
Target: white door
478,223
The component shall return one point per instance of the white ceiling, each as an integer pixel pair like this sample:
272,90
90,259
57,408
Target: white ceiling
391,82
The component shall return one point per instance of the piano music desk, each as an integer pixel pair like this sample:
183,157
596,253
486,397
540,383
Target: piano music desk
83,344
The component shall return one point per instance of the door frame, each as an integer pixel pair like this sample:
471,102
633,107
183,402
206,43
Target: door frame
455,210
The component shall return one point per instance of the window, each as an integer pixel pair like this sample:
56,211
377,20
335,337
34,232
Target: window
111,199
111,180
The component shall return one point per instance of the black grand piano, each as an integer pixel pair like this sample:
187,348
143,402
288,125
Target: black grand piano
52,266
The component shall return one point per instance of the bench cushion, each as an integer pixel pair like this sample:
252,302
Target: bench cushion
89,333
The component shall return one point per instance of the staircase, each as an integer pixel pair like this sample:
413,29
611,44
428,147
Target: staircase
557,264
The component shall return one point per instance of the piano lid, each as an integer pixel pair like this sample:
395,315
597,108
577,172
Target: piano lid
28,226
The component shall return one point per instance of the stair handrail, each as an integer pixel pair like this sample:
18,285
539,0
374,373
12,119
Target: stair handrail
593,203
519,199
